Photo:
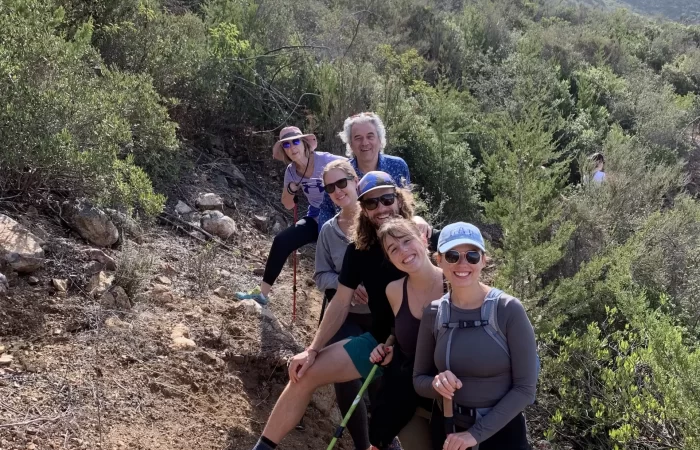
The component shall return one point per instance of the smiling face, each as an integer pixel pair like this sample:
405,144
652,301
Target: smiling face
383,212
342,197
405,250
365,142
462,274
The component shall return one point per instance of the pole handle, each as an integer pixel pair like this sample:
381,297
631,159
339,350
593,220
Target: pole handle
447,408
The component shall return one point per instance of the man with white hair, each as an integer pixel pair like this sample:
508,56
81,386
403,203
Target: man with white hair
364,136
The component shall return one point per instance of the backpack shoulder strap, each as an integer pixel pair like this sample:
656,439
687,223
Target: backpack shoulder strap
442,316
489,314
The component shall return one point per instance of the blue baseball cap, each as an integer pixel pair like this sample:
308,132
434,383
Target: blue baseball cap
374,180
460,233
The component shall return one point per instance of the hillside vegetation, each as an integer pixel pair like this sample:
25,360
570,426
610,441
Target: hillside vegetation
494,104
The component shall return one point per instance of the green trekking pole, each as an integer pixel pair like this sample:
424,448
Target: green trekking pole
358,399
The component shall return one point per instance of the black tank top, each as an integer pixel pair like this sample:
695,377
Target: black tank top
406,325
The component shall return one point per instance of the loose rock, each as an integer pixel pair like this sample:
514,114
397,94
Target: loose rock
216,223
249,307
260,222
182,343
223,292
209,201
18,247
99,283
60,285
115,322
6,359
101,257
91,223
164,280
209,358
161,295
4,285
237,176
121,299
259,271
33,280
182,208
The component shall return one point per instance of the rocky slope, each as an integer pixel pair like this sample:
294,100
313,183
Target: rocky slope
115,335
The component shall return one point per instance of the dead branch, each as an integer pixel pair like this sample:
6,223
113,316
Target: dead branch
29,422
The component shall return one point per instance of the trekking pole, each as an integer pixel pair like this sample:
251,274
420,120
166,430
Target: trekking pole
294,263
358,399
448,412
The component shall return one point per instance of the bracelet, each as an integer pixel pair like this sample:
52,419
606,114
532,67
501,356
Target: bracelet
311,349
290,191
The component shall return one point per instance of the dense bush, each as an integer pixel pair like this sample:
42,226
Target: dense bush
64,126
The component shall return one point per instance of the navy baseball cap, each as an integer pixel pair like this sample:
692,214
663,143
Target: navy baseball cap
374,180
460,233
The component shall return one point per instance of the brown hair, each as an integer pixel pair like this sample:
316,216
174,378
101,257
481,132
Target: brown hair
307,152
398,228
341,164
364,233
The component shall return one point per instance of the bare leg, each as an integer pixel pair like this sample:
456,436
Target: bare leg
332,365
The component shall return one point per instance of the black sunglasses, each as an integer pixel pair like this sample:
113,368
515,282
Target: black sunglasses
471,256
287,144
340,184
371,204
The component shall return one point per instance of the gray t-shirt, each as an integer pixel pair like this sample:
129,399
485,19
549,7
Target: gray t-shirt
330,251
490,379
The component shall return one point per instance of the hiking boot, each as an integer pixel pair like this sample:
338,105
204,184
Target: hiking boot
255,294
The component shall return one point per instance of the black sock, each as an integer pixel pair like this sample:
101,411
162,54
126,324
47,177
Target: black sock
265,444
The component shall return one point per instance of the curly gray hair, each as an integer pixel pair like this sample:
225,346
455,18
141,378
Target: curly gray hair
346,134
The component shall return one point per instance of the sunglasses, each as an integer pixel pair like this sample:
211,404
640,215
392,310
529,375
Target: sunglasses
371,204
471,256
340,184
287,144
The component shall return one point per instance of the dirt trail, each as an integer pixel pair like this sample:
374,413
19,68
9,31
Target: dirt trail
86,377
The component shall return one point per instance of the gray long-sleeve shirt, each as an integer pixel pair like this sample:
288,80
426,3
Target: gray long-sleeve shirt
330,251
490,379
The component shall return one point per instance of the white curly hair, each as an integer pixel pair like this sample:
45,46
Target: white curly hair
346,134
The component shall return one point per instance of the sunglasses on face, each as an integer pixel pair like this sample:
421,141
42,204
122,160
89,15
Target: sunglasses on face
340,184
470,256
287,144
371,204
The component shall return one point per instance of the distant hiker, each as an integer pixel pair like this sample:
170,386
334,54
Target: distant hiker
598,175
364,137
340,182
483,345
364,263
304,169
398,408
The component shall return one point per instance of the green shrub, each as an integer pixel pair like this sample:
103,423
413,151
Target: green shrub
66,128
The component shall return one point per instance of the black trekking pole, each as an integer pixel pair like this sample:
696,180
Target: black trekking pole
358,399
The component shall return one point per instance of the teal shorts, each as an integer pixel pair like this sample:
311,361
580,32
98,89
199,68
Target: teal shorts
359,348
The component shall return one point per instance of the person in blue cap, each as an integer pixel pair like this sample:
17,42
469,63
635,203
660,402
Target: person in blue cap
476,347
364,263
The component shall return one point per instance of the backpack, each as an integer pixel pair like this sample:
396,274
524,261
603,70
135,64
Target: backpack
489,320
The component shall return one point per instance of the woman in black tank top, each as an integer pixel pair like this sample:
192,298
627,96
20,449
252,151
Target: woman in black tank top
398,408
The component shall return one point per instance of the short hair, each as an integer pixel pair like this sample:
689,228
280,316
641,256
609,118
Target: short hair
364,233
340,164
364,117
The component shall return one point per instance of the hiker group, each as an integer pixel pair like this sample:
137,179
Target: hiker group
448,361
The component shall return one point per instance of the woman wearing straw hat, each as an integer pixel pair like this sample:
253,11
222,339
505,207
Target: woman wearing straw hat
304,174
